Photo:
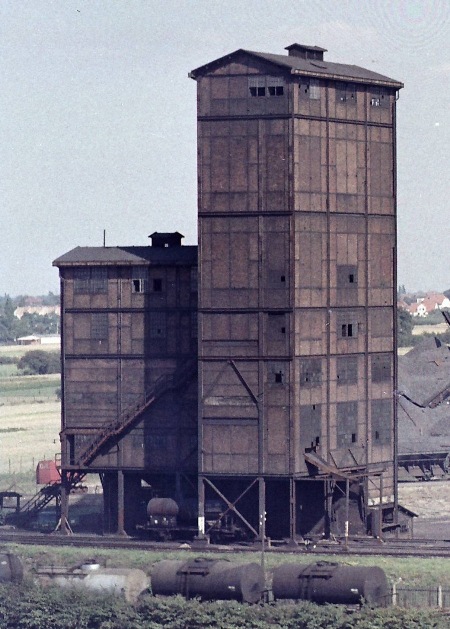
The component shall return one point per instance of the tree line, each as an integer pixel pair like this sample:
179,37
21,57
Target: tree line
12,328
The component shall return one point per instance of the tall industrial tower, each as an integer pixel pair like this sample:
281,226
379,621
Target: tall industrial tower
297,240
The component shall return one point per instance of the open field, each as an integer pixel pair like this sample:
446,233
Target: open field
29,432
437,328
19,350
30,415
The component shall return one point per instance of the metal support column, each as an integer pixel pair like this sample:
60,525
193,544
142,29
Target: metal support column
347,504
120,504
293,510
64,516
201,508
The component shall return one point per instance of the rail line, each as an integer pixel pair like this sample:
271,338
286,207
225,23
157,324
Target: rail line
394,548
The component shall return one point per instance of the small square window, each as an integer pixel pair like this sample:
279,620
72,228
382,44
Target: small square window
279,377
276,90
138,286
349,330
157,285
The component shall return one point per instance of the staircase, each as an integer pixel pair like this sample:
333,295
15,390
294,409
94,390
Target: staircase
51,491
130,416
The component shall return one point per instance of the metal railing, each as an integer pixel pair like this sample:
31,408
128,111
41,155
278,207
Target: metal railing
413,598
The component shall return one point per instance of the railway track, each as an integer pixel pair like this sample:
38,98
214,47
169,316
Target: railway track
394,548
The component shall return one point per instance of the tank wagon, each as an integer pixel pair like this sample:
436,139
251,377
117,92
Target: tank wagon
322,582
209,579
329,582
166,519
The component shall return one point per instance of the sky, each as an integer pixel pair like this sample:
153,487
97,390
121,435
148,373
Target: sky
98,117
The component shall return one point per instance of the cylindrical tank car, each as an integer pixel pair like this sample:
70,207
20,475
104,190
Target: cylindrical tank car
209,579
327,582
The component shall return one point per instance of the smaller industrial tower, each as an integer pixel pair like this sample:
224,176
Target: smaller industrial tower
297,239
129,373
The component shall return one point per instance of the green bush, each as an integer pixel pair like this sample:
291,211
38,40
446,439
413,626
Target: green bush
32,607
38,362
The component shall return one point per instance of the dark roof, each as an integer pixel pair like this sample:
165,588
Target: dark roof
307,67
134,256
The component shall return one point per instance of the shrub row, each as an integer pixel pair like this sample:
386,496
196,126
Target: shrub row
33,607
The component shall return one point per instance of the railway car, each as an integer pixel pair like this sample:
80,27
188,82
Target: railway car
166,519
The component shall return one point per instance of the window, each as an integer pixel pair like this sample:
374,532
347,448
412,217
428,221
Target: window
139,280
310,426
91,280
347,276
276,278
277,373
346,370
275,86
265,86
380,98
347,423
381,421
309,89
276,328
257,86
346,93
310,372
349,330
381,367
157,285
158,325
99,326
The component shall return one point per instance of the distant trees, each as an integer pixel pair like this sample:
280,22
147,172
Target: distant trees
31,323
38,362
404,328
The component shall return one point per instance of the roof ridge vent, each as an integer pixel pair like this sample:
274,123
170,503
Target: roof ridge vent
306,52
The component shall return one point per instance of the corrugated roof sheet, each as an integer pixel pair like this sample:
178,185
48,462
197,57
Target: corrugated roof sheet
309,67
135,256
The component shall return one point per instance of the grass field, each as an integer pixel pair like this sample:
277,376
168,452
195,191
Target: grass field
30,416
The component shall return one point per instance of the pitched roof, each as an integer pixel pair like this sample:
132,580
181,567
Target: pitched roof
306,67
128,256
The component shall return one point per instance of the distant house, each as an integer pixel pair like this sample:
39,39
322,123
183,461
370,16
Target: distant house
39,339
425,305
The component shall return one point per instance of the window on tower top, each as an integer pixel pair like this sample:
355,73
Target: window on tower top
309,89
346,93
265,86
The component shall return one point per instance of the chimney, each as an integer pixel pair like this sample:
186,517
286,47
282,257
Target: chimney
306,52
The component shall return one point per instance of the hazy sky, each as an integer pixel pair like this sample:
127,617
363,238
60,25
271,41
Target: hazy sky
98,117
